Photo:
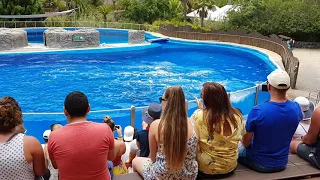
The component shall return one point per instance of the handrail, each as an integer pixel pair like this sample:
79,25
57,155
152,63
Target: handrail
79,24
139,107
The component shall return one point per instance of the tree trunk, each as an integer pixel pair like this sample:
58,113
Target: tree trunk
185,10
202,19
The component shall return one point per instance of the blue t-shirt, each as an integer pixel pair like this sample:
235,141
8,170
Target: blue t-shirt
273,125
143,139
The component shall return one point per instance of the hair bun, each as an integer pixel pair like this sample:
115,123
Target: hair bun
107,119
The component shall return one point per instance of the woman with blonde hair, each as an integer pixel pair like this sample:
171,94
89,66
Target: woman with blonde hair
219,129
172,142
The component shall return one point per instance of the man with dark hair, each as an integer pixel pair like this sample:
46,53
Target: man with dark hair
81,149
270,127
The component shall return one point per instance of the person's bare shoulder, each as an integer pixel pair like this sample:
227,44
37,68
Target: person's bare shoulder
31,142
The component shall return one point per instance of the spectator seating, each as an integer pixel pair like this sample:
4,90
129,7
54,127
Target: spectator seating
296,168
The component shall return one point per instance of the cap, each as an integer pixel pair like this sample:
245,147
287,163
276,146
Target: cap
46,134
307,107
279,79
152,112
128,133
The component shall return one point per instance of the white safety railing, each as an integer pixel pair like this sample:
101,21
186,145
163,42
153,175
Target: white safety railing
133,109
79,24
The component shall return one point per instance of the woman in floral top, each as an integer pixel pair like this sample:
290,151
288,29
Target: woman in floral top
219,129
172,142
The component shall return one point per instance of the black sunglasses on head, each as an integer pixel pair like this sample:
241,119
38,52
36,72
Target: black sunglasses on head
161,99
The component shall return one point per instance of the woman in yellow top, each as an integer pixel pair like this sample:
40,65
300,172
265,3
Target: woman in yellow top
219,129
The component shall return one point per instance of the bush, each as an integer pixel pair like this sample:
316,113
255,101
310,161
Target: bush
296,18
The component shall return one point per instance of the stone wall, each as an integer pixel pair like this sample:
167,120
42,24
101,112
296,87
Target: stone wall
12,39
61,38
136,37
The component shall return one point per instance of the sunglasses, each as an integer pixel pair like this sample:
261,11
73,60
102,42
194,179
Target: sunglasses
161,99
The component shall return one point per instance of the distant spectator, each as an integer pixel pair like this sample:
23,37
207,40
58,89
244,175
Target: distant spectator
55,126
53,172
152,113
172,141
270,127
119,167
219,129
309,148
131,144
21,156
307,109
81,149
291,43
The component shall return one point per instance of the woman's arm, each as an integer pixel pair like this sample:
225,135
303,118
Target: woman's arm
153,132
33,146
313,133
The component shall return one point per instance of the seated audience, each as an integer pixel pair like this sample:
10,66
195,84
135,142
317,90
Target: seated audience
172,142
152,113
118,166
309,148
46,135
307,108
219,129
81,149
270,127
21,156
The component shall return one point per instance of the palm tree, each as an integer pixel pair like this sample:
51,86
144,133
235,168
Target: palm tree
104,10
203,6
175,8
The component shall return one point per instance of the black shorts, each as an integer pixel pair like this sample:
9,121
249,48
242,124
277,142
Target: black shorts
309,153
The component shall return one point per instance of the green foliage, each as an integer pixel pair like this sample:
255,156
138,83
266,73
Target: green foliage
297,18
17,7
104,10
151,10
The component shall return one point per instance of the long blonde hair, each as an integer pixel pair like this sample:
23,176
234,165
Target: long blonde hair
173,128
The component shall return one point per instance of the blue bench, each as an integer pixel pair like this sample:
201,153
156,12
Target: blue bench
296,168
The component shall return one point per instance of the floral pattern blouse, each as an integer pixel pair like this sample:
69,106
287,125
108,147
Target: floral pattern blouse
217,154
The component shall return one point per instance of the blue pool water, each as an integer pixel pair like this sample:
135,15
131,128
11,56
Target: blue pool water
118,79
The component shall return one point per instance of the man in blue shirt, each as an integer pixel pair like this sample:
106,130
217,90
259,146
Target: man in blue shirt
270,127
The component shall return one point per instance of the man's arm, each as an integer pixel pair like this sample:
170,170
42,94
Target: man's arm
247,139
313,133
50,152
250,127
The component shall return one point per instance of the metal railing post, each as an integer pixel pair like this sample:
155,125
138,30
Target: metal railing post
256,98
133,116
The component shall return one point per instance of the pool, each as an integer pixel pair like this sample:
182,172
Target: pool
124,77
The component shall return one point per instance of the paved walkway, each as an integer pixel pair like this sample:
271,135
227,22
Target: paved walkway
309,73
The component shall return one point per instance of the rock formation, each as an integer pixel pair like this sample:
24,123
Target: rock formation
12,39
61,38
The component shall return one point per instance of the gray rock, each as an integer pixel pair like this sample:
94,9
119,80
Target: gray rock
61,38
136,37
12,39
